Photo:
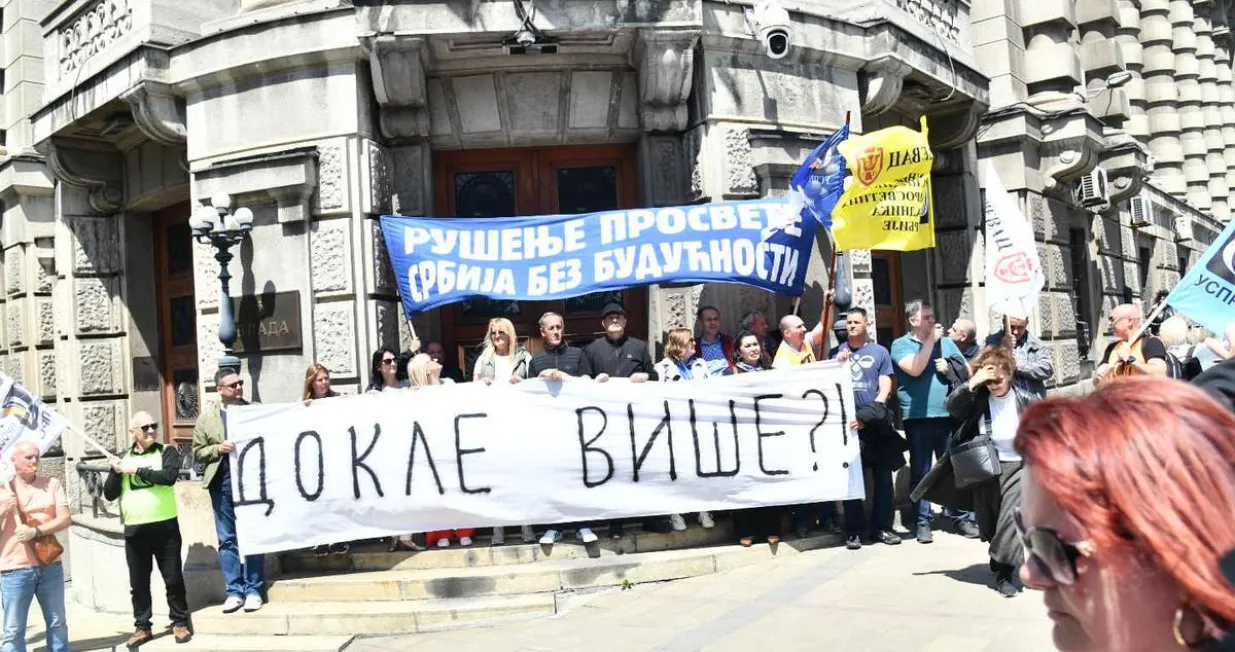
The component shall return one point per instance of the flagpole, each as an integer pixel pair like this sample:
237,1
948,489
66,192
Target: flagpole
827,305
1148,321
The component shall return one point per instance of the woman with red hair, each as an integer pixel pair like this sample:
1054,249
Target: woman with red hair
1128,504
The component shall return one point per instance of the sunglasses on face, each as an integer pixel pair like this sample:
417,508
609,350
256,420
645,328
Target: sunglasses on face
149,427
1050,555
238,383
388,361
497,334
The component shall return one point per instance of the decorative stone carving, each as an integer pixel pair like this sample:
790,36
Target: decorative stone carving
955,129
14,270
397,65
331,178
17,368
330,257
101,370
334,337
47,322
665,61
740,176
942,16
949,201
158,112
859,260
205,275
1053,264
383,274
387,318
47,374
98,173
94,306
93,32
863,296
100,421
17,323
676,313
45,272
695,163
1066,160
1126,162
96,245
378,179
882,81
666,169
410,177
954,254
208,347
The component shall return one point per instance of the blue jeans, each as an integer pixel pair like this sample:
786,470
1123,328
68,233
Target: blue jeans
19,588
240,579
882,498
928,439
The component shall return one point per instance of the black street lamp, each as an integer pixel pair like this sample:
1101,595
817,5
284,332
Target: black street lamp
223,229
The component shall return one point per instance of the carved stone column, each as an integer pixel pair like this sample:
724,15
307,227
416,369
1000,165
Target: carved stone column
1052,62
1191,117
1161,95
1226,97
1211,108
398,65
1129,38
1102,55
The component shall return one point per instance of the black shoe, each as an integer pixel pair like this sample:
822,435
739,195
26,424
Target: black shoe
833,528
656,525
321,551
967,529
340,548
853,542
924,534
888,538
1006,587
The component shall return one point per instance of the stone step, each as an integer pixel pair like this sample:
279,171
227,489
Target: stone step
250,643
570,574
372,618
376,557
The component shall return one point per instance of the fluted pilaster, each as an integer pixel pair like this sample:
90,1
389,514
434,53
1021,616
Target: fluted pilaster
1129,38
1191,117
1211,105
1161,96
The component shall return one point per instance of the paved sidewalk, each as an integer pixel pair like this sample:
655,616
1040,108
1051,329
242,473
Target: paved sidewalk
88,631
908,598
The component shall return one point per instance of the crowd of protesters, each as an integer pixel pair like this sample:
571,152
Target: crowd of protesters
1083,488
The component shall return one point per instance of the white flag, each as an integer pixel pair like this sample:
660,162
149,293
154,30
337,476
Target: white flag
1013,270
24,418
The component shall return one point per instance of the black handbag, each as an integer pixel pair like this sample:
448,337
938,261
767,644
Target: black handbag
975,460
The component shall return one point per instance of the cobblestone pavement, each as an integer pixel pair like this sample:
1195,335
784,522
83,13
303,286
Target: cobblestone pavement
907,598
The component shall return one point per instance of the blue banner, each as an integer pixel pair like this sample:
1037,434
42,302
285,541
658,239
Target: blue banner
438,261
1206,294
820,180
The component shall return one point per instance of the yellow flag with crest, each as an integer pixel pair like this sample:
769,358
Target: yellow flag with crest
888,203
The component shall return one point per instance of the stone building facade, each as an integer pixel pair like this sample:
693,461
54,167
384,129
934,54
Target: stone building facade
121,117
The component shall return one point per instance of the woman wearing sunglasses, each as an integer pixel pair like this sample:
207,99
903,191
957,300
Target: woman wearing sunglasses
1128,503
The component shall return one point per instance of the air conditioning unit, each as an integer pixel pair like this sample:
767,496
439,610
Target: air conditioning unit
1183,229
1092,189
1142,211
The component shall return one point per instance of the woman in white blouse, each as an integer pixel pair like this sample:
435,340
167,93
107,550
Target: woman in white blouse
502,357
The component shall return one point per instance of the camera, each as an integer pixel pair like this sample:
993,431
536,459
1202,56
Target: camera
525,38
773,28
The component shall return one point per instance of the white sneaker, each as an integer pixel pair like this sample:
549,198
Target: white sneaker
443,543
586,535
252,603
551,537
528,534
465,541
499,536
232,604
705,519
678,523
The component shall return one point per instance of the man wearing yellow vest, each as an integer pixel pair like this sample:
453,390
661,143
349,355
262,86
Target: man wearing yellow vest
1144,357
144,482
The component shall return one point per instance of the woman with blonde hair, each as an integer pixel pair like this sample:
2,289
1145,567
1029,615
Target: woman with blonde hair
681,363
501,358
317,383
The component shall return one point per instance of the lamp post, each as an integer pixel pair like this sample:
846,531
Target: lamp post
223,229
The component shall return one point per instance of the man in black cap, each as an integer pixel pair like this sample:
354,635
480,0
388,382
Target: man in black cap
617,355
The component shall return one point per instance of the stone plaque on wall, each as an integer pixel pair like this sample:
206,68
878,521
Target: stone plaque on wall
268,322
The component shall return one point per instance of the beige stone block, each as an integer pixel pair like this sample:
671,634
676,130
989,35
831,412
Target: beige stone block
1042,12
1053,61
997,29
1096,11
524,606
328,590
653,570
1155,28
476,97
1102,56
262,623
455,585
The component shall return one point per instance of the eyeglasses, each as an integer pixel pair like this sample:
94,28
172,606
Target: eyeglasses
149,427
238,383
1050,555
497,334
388,361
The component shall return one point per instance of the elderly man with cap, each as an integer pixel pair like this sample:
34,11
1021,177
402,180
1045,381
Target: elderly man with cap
144,481
618,355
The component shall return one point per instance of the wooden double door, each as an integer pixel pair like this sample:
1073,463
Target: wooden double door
542,181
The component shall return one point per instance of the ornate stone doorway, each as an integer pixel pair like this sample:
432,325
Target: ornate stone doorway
540,181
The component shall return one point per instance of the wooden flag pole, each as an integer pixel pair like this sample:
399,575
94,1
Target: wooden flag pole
827,305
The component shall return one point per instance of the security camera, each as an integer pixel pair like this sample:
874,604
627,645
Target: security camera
773,28
525,38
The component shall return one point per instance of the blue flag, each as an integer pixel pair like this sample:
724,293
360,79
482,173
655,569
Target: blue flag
437,261
1206,294
819,182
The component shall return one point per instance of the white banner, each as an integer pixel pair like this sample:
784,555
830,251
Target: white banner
24,418
473,455
1013,270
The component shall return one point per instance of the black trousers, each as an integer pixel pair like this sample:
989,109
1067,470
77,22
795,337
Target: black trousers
144,546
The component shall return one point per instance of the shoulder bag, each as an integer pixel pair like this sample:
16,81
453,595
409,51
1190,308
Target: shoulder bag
45,549
975,460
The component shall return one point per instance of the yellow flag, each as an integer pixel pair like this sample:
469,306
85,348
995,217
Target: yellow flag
888,203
